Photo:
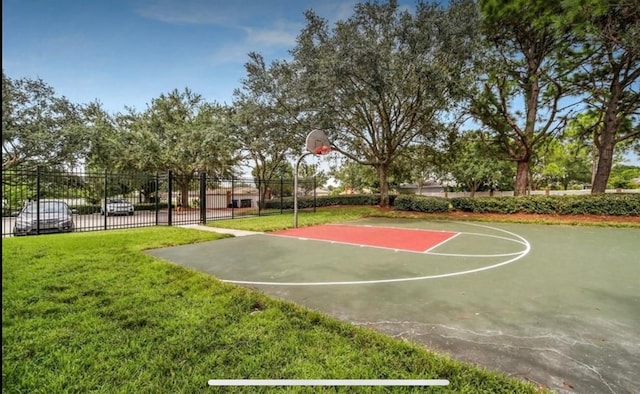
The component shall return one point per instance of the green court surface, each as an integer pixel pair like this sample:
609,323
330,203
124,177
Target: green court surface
557,305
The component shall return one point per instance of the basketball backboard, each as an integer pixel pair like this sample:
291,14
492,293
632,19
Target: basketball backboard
318,143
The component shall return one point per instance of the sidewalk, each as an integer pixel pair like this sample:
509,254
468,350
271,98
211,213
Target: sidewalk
237,233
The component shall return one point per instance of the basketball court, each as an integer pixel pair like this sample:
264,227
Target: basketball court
557,305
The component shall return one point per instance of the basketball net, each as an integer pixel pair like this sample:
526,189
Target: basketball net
323,150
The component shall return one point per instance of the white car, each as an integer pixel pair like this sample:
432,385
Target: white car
116,206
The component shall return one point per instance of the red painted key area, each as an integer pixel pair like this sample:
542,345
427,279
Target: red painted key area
382,237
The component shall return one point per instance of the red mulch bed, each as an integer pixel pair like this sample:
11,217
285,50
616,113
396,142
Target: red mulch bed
529,217
555,218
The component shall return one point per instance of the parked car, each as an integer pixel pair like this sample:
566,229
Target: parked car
52,216
116,206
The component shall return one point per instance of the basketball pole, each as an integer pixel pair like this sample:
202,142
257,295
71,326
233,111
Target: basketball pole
295,189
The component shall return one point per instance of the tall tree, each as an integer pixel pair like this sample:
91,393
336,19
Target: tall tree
267,118
472,164
608,33
39,127
563,162
385,79
183,133
525,69
104,142
354,177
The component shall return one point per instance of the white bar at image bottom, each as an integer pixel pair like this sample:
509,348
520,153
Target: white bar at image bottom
328,382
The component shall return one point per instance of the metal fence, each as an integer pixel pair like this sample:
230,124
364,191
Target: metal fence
103,201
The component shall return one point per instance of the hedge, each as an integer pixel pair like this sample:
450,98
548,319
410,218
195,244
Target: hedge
599,204
327,201
618,204
421,203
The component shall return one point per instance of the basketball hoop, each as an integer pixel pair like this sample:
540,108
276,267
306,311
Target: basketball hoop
318,143
323,150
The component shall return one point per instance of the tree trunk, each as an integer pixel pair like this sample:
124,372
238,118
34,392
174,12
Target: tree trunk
264,191
607,143
522,173
384,187
184,194
594,161
605,161
474,188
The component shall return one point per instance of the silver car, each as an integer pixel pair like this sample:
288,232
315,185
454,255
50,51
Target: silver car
116,206
50,216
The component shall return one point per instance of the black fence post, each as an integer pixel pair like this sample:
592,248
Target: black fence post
38,174
104,201
233,205
170,207
203,198
281,190
260,194
315,195
157,199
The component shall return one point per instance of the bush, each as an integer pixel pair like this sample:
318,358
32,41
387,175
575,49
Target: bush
421,203
328,201
602,204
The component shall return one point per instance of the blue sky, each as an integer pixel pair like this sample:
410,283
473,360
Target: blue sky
128,52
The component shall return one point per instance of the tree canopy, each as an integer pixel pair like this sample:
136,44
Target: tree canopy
386,78
39,127
608,38
520,97
391,86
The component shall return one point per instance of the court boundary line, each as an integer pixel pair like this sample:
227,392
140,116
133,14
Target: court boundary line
397,280
347,243
427,252
441,243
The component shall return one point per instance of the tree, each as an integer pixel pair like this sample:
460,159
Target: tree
472,164
272,187
183,133
524,69
38,127
310,177
419,164
354,177
563,162
609,37
625,177
385,79
266,118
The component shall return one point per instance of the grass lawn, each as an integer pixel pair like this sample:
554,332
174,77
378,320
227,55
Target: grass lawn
89,312
343,214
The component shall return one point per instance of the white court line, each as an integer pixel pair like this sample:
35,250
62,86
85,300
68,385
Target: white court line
345,243
365,282
428,251
391,227
441,242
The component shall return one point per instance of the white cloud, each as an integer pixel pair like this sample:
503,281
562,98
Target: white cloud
198,12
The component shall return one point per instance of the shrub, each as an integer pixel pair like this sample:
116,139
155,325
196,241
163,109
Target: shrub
602,204
421,203
327,201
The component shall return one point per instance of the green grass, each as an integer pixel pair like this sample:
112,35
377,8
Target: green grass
90,312
305,218
347,213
